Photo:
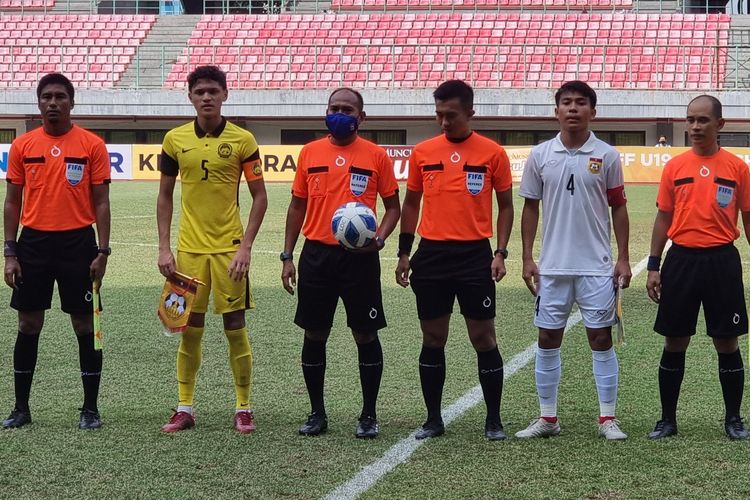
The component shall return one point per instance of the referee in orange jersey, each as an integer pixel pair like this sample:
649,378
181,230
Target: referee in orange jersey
456,173
337,169
700,195
58,187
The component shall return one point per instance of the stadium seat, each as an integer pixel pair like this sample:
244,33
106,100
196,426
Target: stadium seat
81,46
418,49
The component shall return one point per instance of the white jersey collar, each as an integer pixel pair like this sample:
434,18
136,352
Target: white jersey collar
588,146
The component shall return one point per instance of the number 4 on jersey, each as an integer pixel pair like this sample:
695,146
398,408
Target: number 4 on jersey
571,186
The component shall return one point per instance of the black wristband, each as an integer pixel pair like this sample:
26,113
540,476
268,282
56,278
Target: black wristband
405,241
654,263
10,248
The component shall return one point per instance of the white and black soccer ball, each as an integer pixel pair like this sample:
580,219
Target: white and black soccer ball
354,225
176,303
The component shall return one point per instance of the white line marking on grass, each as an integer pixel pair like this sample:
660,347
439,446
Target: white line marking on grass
134,216
400,452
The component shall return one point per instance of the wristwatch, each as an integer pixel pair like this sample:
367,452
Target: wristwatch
106,251
283,256
502,251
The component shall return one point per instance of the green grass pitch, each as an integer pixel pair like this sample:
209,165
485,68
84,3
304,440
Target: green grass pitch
130,458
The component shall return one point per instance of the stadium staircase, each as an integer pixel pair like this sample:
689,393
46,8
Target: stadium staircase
738,74
159,51
310,6
73,7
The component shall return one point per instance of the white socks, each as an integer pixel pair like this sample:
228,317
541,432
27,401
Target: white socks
186,409
548,368
606,370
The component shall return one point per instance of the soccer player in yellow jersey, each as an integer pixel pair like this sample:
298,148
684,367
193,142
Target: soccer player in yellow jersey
210,155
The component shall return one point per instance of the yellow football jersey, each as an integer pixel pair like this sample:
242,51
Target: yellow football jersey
210,165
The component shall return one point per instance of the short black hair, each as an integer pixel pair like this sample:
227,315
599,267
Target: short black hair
207,73
55,78
453,89
356,93
576,87
715,104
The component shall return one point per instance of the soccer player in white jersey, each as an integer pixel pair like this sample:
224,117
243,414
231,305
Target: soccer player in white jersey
577,177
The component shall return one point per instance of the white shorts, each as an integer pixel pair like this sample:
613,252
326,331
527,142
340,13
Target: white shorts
595,296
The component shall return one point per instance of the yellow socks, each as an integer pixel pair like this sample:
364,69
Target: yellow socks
241,361
188,362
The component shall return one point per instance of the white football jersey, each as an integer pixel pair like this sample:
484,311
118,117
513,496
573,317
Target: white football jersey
575,210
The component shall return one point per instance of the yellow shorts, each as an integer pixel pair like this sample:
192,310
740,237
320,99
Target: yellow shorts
212,269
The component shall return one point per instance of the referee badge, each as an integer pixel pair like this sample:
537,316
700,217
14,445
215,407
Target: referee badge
595,165
724,195
474,182
358,184
74,172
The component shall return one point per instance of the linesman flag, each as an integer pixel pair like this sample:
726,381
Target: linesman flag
176,302
619,333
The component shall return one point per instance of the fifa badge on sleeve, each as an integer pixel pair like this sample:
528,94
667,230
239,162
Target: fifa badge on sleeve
176,302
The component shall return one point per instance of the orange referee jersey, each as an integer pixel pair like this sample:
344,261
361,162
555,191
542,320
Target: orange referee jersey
705,194
329,176
457,179
56,173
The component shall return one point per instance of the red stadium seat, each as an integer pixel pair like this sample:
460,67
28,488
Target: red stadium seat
615,50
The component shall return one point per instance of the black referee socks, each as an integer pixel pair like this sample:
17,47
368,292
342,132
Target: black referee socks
314,372
490,367
91,370
671,372
732,378
432,377
370,374
24,363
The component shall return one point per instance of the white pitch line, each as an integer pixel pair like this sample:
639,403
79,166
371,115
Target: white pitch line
400,452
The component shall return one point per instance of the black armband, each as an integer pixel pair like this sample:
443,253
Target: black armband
654,263
405,241
10,248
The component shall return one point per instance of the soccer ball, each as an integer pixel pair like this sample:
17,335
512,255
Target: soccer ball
354,225
175,304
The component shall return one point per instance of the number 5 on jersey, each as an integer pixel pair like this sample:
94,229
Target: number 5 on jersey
204,167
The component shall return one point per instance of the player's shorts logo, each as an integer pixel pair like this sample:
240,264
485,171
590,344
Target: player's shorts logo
225,150
724,195
358,184
474,182
595,165
74,173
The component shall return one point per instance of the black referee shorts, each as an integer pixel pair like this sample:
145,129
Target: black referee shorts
442,271
709,276
49,256
327,272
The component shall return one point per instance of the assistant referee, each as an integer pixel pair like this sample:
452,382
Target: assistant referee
700,195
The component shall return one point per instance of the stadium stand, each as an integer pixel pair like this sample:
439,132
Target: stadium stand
391,5
92,50
488,49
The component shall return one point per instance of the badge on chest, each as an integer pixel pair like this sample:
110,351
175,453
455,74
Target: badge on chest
74,172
